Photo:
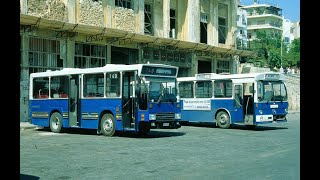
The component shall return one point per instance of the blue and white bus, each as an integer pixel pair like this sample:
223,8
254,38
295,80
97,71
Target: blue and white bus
112,98
227,99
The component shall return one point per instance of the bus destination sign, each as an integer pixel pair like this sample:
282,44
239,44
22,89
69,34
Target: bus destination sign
272,76
162,71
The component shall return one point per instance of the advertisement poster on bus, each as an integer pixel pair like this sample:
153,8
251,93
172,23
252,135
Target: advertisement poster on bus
197,104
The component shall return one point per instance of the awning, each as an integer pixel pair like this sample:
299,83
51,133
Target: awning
113,35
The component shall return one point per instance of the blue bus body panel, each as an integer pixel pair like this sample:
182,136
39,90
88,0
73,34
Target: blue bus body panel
267,110
197,116
40,111
91,110
275,111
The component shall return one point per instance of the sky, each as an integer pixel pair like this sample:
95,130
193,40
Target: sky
290,8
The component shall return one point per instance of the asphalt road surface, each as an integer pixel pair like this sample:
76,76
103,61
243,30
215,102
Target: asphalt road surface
195,151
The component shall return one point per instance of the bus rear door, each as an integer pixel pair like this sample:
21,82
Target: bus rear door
238,103
73,101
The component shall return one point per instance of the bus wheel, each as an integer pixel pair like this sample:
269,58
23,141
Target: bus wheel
56,122
108,125
223,119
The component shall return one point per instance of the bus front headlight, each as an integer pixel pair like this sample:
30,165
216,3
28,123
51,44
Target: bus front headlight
152,117
260,111
177,116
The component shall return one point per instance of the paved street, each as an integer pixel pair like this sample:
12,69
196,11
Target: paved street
197,151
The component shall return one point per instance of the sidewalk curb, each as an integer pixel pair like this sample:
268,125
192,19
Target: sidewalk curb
27,125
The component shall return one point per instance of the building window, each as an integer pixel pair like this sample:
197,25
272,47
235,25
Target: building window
244,20
147,19
124,3
172,33
222,30
44,54
203,27
223,67
286,39
88,56
222,22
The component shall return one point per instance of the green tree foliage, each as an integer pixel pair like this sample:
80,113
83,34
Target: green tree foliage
268,49
293,56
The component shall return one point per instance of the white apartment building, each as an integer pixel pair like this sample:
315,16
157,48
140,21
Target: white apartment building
295,30
263,17
241,32
286,32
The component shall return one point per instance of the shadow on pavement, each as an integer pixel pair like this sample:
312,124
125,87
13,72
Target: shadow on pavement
28,177
151,134
240,127
257,128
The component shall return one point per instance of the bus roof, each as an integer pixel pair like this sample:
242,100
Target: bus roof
106,68
254,76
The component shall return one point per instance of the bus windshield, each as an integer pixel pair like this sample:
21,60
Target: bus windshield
271,91
160,89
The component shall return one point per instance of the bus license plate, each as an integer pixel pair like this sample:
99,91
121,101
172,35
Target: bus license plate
165,124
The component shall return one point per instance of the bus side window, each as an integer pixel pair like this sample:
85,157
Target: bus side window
43,93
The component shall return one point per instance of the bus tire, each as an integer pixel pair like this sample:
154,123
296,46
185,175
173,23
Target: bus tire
55,122
223,119
108,125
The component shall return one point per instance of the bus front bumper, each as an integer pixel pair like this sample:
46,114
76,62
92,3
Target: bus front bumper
165,124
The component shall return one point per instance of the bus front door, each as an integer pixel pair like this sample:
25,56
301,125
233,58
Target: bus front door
73,101
128,100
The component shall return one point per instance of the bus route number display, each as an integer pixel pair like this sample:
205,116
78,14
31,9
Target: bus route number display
162,71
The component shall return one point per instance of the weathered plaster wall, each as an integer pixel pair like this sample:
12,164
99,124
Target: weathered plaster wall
49,9
124,19
91,12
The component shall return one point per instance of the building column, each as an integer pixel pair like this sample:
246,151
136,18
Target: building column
158,18
71,7
193,18
233,23
138,7
24,6
211,23
181,28
24,78
108,54
194,66
215,63
77,11
108,7
214,4
166,18
70,52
